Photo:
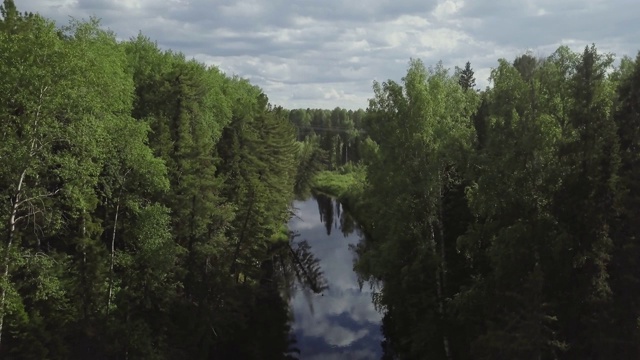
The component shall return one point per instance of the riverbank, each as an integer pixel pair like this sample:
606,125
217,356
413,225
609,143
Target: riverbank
333,183
344,185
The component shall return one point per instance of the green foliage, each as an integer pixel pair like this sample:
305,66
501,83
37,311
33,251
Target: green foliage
422,135
523,223
133,180
336,137
334,183
144,202
310,159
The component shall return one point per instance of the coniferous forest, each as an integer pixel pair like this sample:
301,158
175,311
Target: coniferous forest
144,201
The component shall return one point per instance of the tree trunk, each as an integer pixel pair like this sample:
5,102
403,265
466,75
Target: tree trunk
13,219
12,229
111,261
236,253
85,308
442,278
440,295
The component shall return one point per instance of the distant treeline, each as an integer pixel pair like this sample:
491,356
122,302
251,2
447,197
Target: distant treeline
336,133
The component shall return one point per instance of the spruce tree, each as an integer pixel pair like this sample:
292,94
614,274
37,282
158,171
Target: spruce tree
467,80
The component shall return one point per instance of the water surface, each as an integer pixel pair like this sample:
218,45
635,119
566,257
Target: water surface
342,323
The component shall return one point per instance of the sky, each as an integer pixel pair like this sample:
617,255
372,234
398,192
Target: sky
327,53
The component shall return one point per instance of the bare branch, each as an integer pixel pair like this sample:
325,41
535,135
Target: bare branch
28,215
38,197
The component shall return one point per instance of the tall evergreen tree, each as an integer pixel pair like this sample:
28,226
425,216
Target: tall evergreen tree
467,80
510,243
590,156
625,284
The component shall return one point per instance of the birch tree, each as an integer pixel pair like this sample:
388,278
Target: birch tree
423,130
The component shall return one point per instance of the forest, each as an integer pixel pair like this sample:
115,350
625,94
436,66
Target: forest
144,201
508,230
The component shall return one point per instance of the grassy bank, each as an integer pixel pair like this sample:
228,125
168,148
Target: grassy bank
346,185
333,183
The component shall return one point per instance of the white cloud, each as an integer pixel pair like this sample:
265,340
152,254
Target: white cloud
410,20
447,8
301,52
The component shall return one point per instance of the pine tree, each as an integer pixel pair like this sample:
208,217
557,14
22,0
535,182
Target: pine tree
467,80
625,285
590,156
513,182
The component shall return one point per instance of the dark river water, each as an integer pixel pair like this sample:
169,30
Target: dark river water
342,323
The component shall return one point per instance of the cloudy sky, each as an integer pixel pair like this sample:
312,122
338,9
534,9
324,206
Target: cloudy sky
326,53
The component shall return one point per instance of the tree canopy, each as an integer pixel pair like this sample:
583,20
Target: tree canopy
144,201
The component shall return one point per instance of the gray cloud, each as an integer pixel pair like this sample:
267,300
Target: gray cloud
309,53
541,23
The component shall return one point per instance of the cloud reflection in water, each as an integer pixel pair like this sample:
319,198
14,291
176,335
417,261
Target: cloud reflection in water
342,323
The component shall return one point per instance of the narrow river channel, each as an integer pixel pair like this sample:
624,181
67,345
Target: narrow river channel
342,323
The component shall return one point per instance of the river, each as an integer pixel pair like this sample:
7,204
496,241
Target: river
342,322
